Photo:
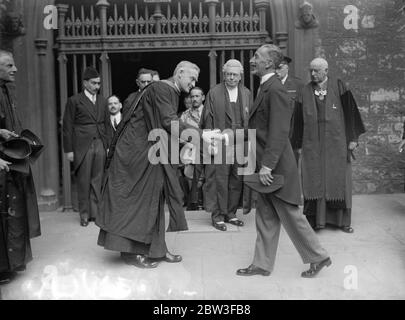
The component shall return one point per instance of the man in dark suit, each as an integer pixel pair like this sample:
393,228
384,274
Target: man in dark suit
293,85
114,108
270,116
85,143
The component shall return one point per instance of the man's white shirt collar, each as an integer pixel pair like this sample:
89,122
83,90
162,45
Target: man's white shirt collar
266,77
91,97
117,117
284,79
233,94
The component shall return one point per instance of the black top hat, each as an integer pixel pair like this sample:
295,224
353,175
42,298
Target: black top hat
35,144
90,73
287,59
253,182
16,151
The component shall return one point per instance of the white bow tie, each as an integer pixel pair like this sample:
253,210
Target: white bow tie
320,93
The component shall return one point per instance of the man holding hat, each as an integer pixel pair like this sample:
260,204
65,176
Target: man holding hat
271,116
19,217
85,143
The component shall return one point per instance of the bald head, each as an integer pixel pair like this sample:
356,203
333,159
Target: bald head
318,69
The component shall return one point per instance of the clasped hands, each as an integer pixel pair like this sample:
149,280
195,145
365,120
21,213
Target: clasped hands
213,137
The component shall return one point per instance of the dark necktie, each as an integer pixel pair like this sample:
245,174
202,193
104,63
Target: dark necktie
115,123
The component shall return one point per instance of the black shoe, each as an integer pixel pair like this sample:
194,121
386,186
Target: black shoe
315,268
347,229
20,268
92,219
252,270
84,222
141,261
219,226
6,277
235,222
170,258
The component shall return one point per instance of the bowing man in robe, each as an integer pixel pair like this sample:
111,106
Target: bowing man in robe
131,217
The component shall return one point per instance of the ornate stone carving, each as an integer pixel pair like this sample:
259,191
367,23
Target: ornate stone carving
306,17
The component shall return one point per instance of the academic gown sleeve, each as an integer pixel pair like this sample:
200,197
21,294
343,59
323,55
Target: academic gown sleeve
353,121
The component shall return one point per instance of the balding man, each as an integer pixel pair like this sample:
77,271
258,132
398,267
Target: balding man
271,118
327,125
143,78
132,219
227,106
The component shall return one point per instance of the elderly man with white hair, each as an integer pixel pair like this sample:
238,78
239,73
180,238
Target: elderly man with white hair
327,125
227,106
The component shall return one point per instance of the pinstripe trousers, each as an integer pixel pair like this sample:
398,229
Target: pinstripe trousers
271,212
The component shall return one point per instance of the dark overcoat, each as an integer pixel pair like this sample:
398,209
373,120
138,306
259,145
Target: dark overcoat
82,122
270,116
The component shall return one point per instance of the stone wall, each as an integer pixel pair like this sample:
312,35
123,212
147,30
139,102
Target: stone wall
364,42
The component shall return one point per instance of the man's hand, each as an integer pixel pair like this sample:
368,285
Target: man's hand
265,176
352,145
70,156
4,165
212,134
6,134
401,146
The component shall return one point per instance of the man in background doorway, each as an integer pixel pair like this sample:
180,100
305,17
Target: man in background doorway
194,172
143,78
114,108
85,142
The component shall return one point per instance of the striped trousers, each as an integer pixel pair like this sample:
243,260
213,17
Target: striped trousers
271,212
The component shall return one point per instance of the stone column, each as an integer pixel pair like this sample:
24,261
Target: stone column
157,15
213,68
261,6
63,89
62,10
211,14
102,6
49,176
105,74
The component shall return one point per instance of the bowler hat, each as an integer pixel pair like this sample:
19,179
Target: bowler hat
253,182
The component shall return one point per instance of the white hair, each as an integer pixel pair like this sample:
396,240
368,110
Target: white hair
320,62
185,64
232,63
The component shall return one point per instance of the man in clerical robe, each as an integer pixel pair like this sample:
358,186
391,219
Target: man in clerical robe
138,180
227,106
327,125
